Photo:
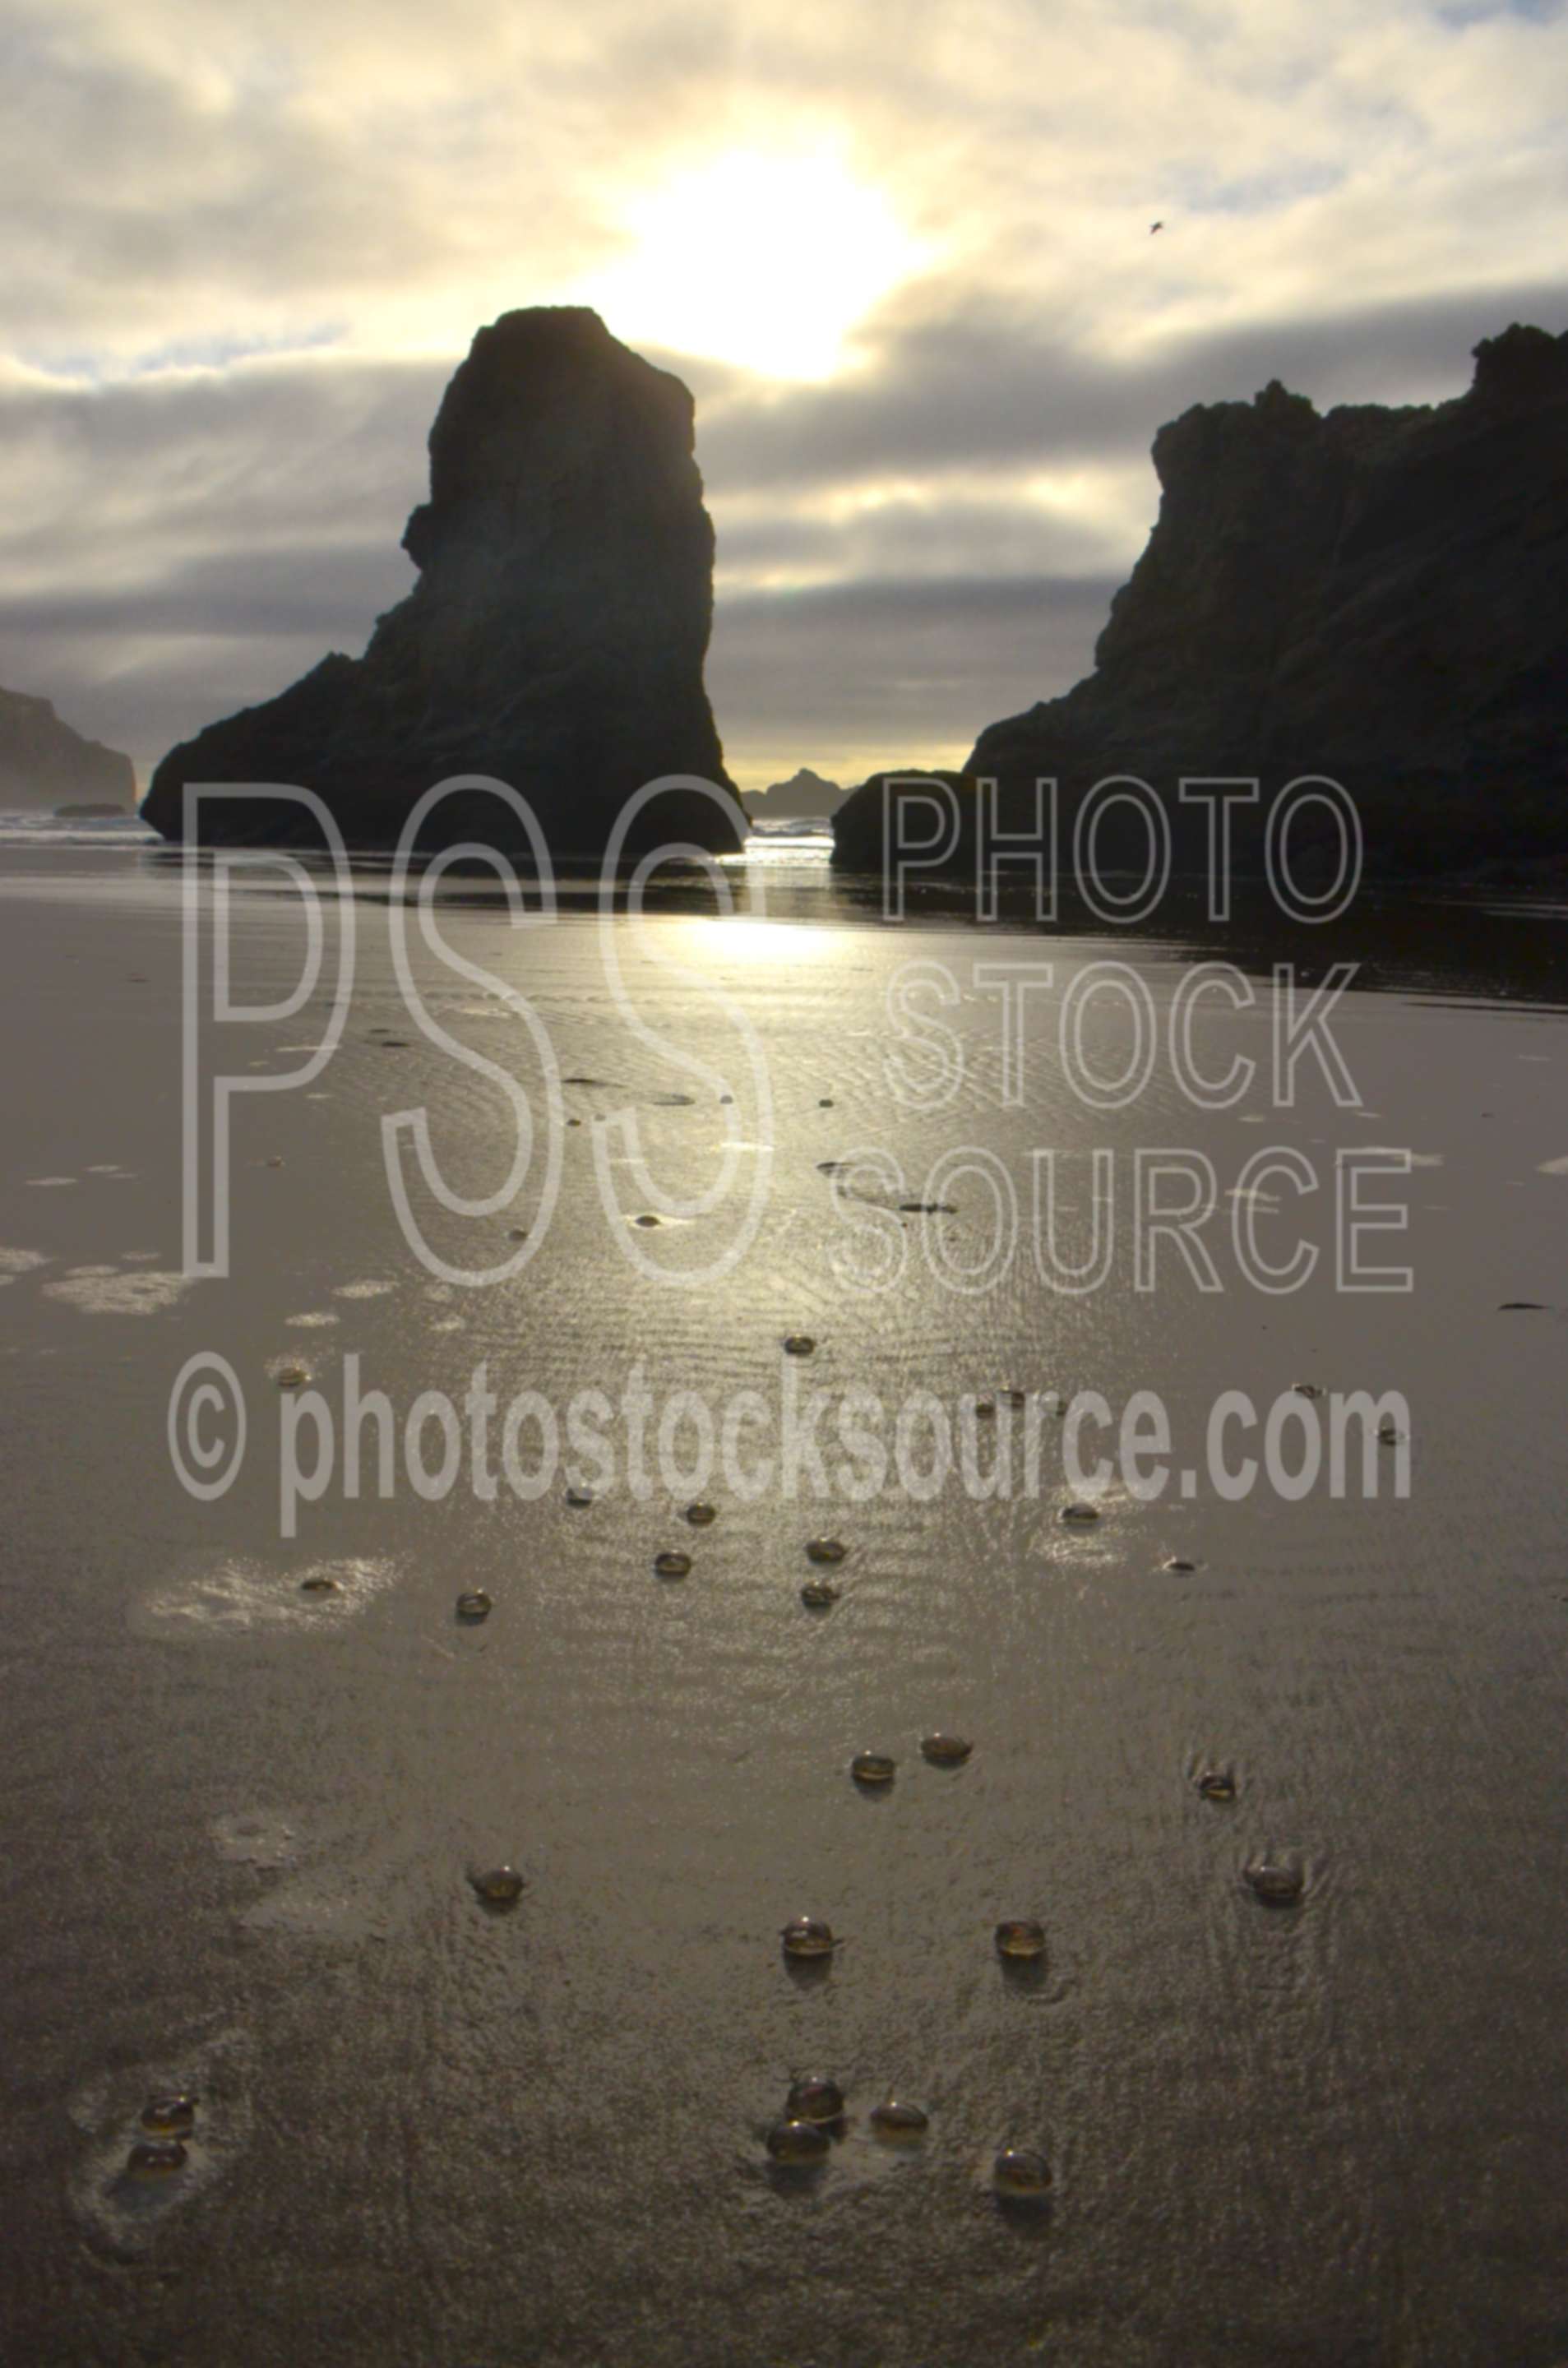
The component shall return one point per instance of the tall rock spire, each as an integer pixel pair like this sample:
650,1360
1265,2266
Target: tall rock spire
555,639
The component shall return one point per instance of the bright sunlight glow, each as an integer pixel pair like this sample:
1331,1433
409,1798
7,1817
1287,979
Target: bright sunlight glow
766,262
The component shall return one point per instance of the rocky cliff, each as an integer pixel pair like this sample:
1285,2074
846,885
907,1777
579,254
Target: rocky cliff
44,762
1380,595
555,638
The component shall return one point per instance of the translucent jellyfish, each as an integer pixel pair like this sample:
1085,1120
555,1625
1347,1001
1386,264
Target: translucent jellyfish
1278,1879
699,1515
1306,1389
474,1605
896,2122
986,1410
671,1564
169,2116
290,1377
872,1767
819,1594
826,1550
797,2143
800,1344
946,1750
1020,1936
1016,1399
1217,1781
1019,2171
1080,1515
152,2159
814,2098
498,1886
318,1582
1179,1564
577,1498
807,1936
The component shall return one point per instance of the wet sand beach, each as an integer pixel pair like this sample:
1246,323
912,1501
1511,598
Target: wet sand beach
244,1812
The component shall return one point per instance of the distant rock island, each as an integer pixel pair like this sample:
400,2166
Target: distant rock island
43,761
1380,595
555,639
805,797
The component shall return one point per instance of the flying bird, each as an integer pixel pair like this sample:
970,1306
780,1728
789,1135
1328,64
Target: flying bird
1154,226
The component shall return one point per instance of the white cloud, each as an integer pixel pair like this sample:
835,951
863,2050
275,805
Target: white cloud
246,246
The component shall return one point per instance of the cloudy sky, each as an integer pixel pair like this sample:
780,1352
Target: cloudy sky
900,250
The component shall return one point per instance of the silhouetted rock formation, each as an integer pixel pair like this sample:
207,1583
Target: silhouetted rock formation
42,760
1377,595
805,797
871,819
555,639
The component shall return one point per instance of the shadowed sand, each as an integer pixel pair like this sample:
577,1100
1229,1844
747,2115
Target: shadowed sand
245,1814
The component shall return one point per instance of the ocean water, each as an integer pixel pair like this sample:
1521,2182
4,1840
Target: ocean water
24,827
249,1774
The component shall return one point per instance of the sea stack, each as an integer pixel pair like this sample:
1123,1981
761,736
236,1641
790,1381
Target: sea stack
42,761
805,797
554,641
1372,594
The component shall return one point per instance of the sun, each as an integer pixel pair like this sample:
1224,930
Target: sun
764,261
